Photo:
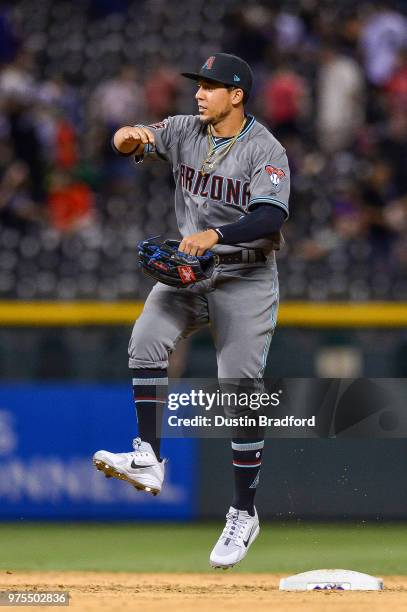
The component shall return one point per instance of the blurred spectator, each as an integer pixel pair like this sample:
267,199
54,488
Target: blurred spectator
70,202
348,32
57,94
396,86
377,190
17,98
247,33
8,39
66,154
26,144
393,145
57,135
161,89
17,208
17,79
347,222
340,101
383,34
284,100
289,30
395,216
118,101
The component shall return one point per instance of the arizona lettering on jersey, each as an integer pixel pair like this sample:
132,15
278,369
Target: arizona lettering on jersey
254,172
218,188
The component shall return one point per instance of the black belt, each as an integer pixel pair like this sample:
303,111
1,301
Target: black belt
247,256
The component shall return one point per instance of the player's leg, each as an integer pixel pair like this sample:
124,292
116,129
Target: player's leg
168,315
243,313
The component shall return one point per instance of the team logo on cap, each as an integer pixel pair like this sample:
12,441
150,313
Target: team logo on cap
209,62
276,176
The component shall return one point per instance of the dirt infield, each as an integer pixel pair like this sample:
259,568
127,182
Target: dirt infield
199,592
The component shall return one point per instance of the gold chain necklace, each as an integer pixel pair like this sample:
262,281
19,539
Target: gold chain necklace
211,147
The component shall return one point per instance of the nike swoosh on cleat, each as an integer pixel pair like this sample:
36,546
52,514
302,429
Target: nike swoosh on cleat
246,542
137,466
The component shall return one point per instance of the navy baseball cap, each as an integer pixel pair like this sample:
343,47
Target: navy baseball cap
226,69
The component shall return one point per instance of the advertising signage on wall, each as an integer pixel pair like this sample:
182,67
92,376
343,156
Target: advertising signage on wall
48,434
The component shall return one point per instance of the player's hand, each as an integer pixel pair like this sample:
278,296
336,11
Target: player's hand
197,244
128,139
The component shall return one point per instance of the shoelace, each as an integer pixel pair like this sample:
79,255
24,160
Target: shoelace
136,446
233,527
139,453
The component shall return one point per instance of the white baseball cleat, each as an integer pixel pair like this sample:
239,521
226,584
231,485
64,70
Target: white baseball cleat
239,533
140,468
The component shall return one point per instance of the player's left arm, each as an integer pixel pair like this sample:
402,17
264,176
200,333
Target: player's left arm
263,221
260,223
268,204
270,179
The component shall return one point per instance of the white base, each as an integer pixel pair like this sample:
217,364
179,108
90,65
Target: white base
331,579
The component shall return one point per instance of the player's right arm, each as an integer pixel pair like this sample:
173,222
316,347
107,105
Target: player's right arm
130,140
154,141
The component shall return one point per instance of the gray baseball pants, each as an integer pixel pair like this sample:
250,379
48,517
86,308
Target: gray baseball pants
239,303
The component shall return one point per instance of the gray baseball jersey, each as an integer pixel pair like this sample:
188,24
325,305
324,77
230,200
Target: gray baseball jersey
239,301
254,170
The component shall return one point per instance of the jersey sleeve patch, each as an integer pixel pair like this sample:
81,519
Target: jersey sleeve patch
160,125
277,175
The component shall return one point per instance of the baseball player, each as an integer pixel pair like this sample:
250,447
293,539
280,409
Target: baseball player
231,196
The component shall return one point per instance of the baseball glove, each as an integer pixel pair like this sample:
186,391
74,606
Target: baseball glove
162,260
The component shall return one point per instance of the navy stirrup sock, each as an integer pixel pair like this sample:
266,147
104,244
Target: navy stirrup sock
150,397
247,456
